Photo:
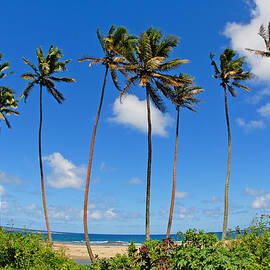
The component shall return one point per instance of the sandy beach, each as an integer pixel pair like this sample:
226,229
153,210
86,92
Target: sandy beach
79,252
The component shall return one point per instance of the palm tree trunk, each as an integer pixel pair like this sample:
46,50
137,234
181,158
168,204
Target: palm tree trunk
91,255
225,221
174,178
147,222
41,169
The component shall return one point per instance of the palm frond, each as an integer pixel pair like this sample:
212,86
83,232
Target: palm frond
155,97
172,64
30,64
27,90
62,79
28,76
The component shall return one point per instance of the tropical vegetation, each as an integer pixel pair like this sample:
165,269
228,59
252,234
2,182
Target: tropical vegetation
8,103
247,249
230,73
142,61
43,75
148,66
183,96
117,42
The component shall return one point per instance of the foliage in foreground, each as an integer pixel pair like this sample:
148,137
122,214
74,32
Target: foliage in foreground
21,251
248,249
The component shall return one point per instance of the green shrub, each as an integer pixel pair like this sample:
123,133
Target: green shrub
26,251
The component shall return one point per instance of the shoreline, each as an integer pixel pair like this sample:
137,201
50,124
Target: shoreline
78,252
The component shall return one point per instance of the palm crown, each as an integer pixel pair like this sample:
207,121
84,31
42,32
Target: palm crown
265,35
8,104
43,74
149,61
184,95
4,66
115,45
231,71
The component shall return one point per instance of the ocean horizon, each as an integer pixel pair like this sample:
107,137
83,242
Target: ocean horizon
99,239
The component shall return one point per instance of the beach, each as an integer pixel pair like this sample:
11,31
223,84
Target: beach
79,252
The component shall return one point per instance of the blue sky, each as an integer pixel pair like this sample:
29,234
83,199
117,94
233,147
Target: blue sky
117,196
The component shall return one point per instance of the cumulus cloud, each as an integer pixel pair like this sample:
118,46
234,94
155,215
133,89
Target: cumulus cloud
185,213
134,181
261,202
255,99
2,191
250,125
181,195
265,110
253,192
108,214
5,178
245,36
64,173
132,113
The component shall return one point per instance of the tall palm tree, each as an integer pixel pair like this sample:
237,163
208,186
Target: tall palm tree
265,35
116,42
184,96
147,66
230,73
8,103
43,75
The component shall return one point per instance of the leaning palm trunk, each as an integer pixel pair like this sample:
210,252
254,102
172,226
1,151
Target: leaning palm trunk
174,178
91,255
225,221
41,169
147,222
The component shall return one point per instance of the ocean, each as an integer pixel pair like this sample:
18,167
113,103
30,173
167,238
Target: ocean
102,239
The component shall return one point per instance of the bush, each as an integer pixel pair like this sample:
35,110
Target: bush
248,249
25,251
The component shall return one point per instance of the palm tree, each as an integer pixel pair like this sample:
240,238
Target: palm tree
184,97
116,42
230,74
43,75
266,37
8,103
147,67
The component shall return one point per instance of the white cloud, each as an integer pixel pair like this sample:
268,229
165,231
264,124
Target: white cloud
33,209
5,178
253,192
61,214
110,214
255,99
265,110
245,36
64,173
134,181
261,201
250,125
185,213
181,195
132,113
2,191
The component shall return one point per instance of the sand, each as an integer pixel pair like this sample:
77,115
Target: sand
79,252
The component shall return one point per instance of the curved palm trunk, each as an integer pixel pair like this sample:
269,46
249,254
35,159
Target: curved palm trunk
174,178
41,168
147,222
91,255
225,221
